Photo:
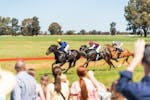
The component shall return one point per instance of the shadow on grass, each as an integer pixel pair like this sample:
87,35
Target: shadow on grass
105,69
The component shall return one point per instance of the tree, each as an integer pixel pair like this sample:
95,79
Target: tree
113,28
5,25
55,29
15,26
137,13
26,27
35,26
70,32
94,32
82,32
30,26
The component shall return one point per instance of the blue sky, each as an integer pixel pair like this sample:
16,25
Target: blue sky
70,14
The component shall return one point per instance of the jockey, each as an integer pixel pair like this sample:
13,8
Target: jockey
95,46
64,46
118,45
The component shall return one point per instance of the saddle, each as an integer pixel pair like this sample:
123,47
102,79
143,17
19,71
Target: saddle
119,51
97,54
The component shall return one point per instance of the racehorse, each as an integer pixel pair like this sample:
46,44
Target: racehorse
91,55
115,54
61,58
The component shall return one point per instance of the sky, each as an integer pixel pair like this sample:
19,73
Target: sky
70,14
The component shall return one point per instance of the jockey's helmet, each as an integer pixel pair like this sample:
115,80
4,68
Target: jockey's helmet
59,40
91,43
114,43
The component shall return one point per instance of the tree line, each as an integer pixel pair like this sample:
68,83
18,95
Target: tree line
28,27
31,27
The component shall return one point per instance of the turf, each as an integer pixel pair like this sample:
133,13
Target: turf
36,47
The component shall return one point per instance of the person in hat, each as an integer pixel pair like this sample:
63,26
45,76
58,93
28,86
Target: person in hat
64,46
7,83
136,90
95,46
118,45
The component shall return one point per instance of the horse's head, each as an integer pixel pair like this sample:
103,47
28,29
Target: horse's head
51,49
83,48
109,47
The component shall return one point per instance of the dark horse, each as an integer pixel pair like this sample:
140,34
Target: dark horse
91,55
61,58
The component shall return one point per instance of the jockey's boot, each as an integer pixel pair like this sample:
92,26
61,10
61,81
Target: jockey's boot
68,54
97,56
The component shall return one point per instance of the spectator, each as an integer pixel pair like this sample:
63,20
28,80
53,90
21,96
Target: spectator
7,83
83,89
25,88
64,79
39,89
44,83
140,90
101,89
58,90
115,94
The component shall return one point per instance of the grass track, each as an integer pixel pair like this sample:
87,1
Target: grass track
36,46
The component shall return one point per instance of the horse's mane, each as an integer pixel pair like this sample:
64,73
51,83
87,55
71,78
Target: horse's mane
84,45
54,45
109,45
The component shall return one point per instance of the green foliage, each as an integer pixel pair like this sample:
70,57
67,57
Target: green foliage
137,13
83,32
55,29
5,28
30,26
113,28
70,32
15,27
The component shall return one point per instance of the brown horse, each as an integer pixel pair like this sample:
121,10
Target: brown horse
115,54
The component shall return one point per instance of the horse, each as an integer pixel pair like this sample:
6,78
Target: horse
61,57
91,55
115,54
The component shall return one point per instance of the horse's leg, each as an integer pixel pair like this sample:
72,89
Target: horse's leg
115,59
86,63
122,62
108,61
112,64
74,63
68,67
61,64
127,60
53,65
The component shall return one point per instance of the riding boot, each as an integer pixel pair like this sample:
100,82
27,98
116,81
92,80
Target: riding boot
97,56
68,54
119,53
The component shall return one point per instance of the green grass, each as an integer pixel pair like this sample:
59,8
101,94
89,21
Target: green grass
36,47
